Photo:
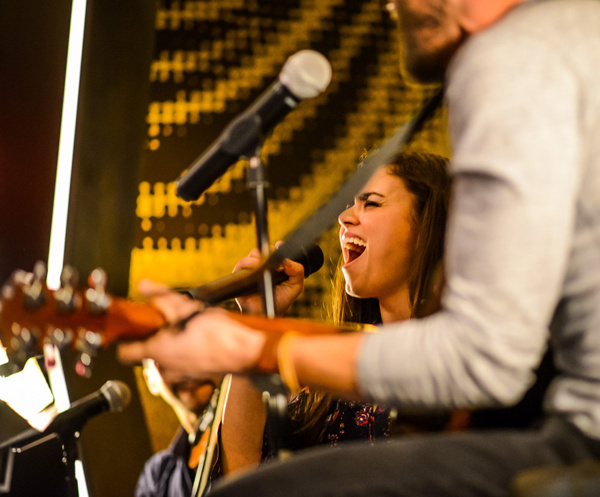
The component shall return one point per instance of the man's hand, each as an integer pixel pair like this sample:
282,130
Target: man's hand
211,342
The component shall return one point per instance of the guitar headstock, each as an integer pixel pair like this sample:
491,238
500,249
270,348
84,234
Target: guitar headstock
82,319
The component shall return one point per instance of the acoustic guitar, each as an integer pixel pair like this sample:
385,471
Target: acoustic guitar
89,319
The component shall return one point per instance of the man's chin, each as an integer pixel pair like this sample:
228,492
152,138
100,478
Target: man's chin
429,67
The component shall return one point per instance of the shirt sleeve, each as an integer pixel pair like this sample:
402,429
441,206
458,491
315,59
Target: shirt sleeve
513,121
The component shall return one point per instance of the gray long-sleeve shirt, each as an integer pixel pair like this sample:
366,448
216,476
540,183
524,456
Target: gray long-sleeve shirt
523,243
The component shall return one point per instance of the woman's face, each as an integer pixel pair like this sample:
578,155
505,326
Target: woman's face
377,235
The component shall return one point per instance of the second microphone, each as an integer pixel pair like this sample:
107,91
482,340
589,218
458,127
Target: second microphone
246,281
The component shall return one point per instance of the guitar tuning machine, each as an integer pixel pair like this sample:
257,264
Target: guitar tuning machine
17,278
33,291
97,300
23,343
8,291
61,338
67,300
88,343
21,277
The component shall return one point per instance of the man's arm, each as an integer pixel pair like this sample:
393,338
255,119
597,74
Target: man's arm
513,109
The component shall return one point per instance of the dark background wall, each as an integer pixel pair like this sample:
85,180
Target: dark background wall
33,51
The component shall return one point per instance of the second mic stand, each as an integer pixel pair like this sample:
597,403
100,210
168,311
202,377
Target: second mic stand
69,442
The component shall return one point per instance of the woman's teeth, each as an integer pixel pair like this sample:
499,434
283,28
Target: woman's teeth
355,247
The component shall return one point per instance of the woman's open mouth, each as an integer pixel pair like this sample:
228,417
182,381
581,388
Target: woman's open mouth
354,247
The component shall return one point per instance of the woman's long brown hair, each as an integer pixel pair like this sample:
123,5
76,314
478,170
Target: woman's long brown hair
425,176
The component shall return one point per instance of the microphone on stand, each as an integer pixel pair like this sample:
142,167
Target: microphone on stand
304,75
248,281
113,396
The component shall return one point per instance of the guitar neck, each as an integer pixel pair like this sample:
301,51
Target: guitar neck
31,315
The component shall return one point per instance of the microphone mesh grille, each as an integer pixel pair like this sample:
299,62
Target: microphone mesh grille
117,394
306,74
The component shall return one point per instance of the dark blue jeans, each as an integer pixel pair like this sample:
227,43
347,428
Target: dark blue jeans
471,464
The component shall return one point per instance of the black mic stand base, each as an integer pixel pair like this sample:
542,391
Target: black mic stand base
70,454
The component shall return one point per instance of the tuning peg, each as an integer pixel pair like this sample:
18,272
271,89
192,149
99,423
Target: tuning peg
34,290
88,343
69,277
8,291
18,278
59,337
66,298
23,343
21,278
97,279
97,300
39,271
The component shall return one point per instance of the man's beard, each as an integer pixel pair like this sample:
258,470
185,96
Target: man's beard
424,59
426,67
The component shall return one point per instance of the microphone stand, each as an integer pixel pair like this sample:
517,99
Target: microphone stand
258,184
70,450
67,437
271,386
273,390
6,471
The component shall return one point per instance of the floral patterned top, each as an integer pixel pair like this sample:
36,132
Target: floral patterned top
352,420
348,421
343,422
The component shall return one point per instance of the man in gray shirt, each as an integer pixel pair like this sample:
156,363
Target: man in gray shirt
522,263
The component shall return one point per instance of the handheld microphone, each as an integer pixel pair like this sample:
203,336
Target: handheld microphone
112,396
247,281
304,75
